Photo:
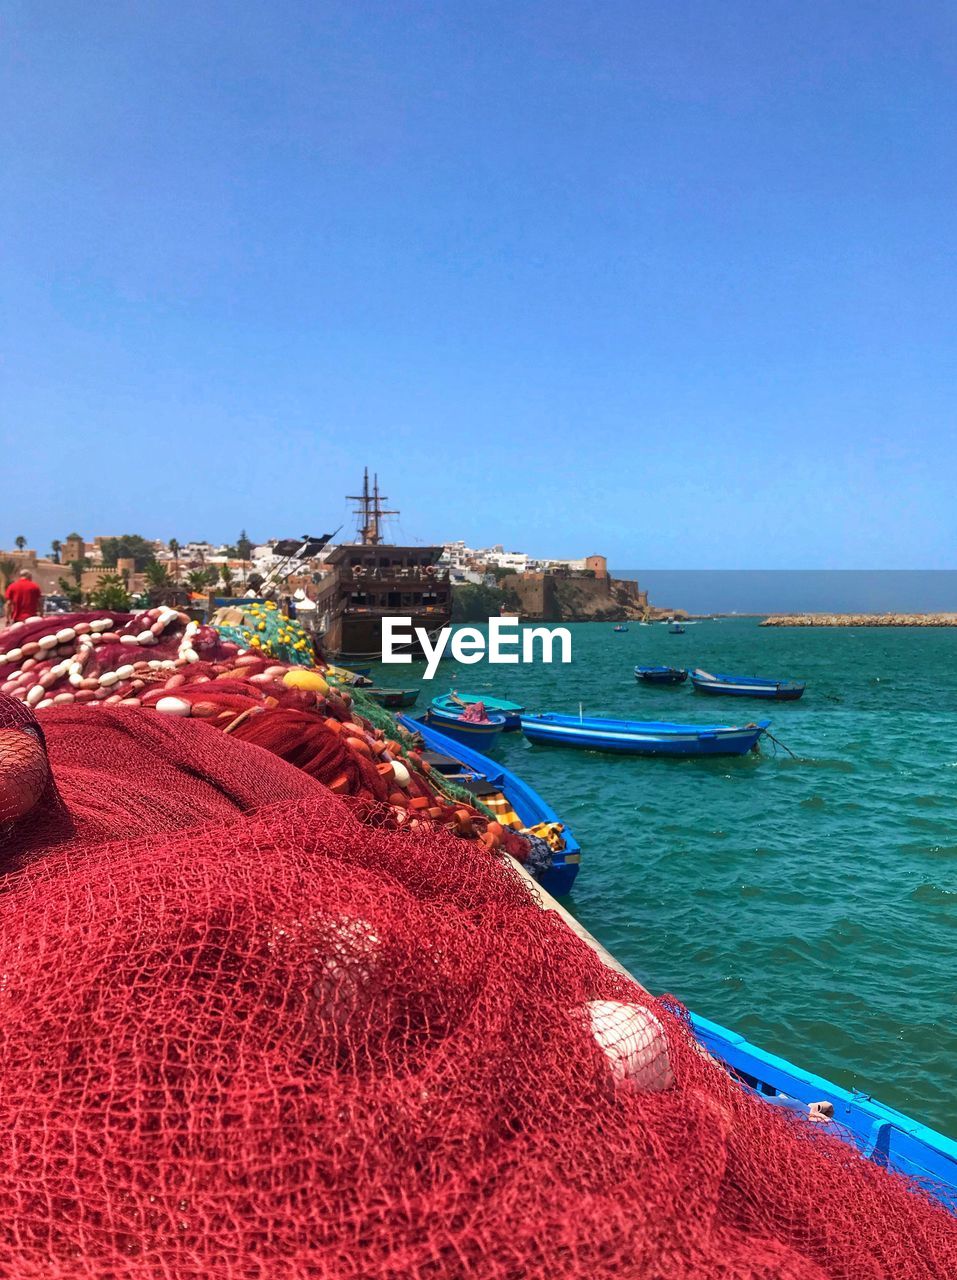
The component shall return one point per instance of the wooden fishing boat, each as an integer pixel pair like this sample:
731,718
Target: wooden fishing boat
474,733
512,711
620,627
676,629
748,686
661,675
487,779
393,697
880,1133
643,738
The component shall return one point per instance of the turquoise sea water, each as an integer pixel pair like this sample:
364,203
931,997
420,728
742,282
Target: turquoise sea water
809,904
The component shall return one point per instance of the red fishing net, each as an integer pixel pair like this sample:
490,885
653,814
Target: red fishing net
245,1036
178,668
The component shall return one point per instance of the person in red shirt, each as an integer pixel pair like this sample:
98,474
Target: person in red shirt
23,598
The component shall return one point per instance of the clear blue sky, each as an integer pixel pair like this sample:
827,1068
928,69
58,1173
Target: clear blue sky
673,281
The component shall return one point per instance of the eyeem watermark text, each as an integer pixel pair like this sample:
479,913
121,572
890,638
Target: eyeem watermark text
507,642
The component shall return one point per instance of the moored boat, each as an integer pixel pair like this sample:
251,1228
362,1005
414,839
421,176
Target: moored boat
358,678
512,711
881,1134
661,675
485,778
773,687
676,629
393,697
643,738
480,734
620,627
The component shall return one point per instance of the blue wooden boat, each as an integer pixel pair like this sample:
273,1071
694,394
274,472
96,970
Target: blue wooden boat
676,629
880,1133
643,738
469,732
748,686
512,711
528,804
661,675
619,628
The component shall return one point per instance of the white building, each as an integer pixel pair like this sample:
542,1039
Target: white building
197,551
500,559
456,554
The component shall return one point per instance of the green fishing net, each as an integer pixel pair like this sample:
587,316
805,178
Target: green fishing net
264,628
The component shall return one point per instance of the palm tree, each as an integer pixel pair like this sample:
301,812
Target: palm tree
197,580
56,546
244,548
174,552
111,592
157,575
21,542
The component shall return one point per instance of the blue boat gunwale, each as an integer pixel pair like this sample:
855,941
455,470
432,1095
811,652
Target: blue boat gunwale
880,1133
498,776
527,803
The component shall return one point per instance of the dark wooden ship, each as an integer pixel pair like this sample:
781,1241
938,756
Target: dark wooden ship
371,580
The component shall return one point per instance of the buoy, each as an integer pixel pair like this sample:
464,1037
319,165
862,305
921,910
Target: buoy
633,1041
302,678
24,772
402,776
173,706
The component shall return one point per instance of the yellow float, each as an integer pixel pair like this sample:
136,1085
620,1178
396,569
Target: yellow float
302,678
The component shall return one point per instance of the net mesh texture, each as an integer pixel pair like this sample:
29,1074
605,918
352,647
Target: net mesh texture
244,1034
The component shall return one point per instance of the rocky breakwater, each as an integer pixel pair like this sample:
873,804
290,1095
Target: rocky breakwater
861,620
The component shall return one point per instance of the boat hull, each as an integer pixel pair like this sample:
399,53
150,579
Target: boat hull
393,697
748,687
527,803
477,735
359,639
643,739
661,675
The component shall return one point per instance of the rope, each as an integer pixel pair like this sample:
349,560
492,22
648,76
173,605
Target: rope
383,719
777,743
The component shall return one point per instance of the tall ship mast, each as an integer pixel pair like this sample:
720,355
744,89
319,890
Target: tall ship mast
369,511
372,580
